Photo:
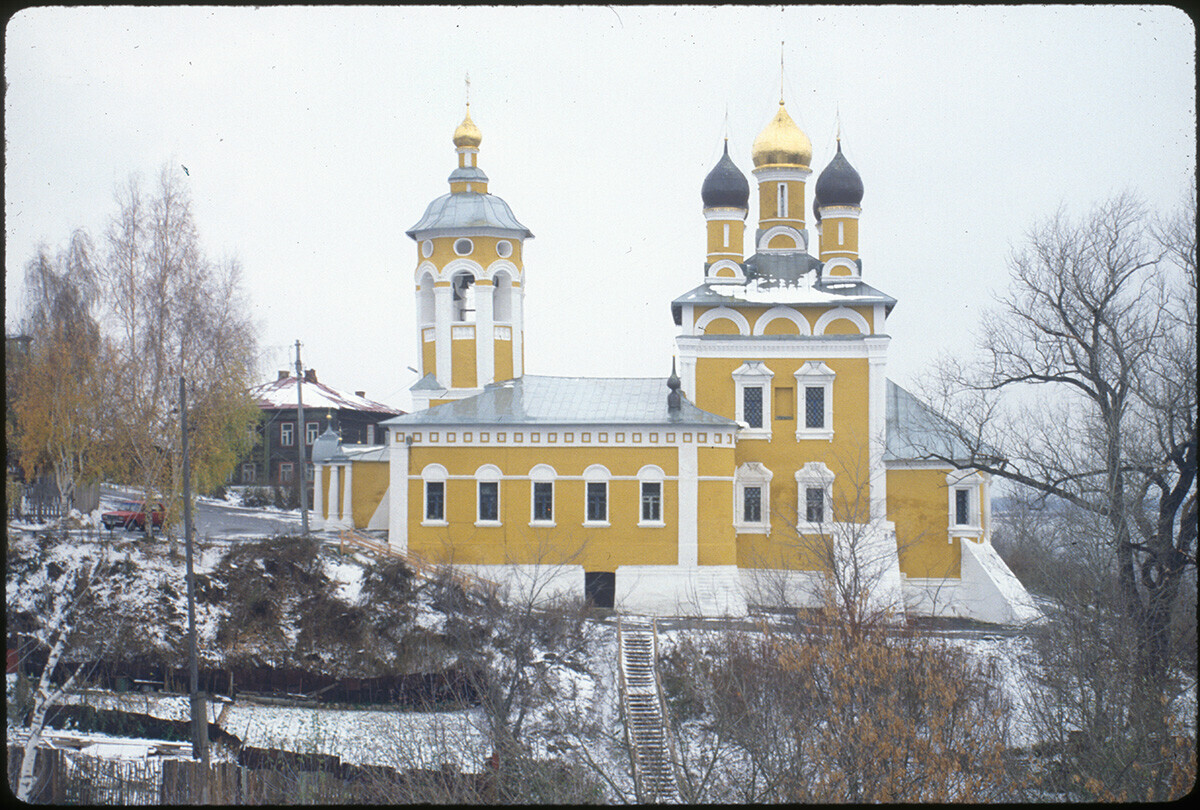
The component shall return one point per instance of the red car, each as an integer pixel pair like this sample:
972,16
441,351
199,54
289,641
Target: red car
132,515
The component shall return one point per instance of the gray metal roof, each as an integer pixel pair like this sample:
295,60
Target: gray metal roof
536,400
469,210
427,383
915,432
761,292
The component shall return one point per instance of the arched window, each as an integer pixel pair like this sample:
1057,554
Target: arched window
595,479
502,298
541,495
426,309
462,297
650,487
487,492
434,476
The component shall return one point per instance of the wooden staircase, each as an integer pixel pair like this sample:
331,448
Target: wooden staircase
643,706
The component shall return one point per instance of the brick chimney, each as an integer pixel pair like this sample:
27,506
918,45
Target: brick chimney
310,375
362,394
283,375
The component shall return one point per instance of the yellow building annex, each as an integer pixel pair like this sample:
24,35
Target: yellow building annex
776,452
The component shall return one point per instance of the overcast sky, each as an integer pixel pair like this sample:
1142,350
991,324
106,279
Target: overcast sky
315,137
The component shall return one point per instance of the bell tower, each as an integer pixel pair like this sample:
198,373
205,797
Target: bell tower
469,283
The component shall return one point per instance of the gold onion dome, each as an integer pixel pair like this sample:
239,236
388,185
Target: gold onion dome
782,142
467,133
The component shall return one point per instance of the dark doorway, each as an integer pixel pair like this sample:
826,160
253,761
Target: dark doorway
600,587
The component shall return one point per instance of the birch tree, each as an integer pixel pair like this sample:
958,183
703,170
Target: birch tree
64,390
67,603
173,311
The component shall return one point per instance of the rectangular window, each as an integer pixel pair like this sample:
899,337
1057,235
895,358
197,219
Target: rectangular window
489,500
249,473
814,505
651,501
285,472
597,501
543,501
308,471
784,404
310,432
435,500
962,512
752,406
752,504
783,206
726,235
814,407
287,432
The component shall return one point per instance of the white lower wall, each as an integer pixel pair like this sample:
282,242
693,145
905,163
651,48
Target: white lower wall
677,590
987,591
536,584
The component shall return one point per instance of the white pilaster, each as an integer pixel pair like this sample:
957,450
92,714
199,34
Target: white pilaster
877,422
347,496
318,510
689,498
443,312
518,329
398,494
485,344
334,482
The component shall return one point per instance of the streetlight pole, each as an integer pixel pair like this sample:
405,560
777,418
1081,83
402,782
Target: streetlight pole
302,439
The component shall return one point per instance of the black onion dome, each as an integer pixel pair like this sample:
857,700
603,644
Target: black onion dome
817,207
725,186
839,184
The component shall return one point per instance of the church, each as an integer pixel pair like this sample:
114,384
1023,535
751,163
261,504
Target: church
776,463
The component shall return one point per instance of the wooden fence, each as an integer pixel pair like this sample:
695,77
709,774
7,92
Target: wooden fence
68,777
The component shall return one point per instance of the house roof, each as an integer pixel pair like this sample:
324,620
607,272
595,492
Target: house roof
768,292
281,395
916,432
537,400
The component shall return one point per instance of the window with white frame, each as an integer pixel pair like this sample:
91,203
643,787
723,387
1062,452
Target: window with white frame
249,473
285,472
541,495
434,477
650,485
287,434
487,495
752,381
814,389
311,431
966,512
595,480
752,498
814,497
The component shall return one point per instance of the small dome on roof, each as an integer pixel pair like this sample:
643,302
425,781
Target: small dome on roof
782,142
467,133
725,186
839,184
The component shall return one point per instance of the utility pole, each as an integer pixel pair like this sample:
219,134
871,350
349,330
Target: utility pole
302,440
199,712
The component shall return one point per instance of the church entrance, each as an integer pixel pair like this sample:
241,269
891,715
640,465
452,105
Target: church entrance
600,587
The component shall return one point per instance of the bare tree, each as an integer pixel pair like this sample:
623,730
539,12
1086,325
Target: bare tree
173,312
1100,318
67,600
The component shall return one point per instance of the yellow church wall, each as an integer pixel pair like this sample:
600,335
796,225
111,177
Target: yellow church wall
918,503
462,362
623,542
714,519
428,356
768,200
326,473
504,359
484,252
370,483
847,454
721,326
716,236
